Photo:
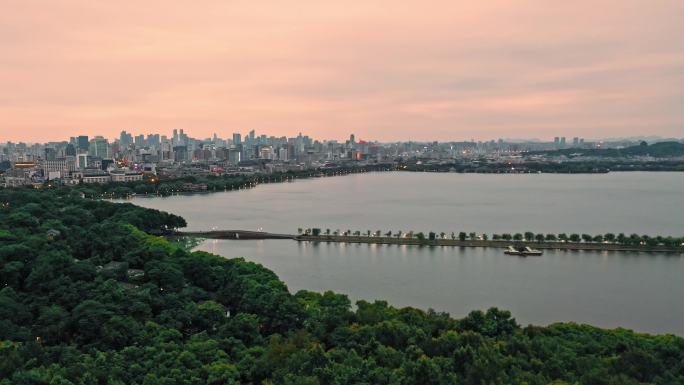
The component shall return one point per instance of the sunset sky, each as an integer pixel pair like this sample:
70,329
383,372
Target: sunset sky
385,70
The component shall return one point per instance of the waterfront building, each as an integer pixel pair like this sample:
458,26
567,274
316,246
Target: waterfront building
234,156
122,175
95,176
282,154
53,169
266,152
11,181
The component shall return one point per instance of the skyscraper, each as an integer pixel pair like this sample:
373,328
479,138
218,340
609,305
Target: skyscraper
153,140
70,150
50,153
140,141
180,153
182,138
125,139
237,138
83,143
99,147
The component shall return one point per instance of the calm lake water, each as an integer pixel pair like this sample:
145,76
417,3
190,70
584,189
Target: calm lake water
644,292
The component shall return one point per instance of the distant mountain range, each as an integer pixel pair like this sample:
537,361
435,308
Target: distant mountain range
649,139
657,150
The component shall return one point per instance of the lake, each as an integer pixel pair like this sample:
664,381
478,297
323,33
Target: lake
608,289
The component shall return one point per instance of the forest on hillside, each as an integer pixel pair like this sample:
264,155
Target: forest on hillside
656,150
88,296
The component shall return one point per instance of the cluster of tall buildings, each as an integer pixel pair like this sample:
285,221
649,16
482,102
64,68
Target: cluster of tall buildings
560,142
84,159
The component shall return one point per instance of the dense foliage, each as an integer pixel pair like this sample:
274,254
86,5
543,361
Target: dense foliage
647,242
89,297
165,186
484,166
656,150
608,238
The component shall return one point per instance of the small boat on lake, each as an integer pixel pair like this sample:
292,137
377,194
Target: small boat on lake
523,251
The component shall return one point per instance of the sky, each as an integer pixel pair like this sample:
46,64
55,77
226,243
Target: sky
384,70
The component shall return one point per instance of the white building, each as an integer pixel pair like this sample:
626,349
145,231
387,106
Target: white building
125,176
282,154
96,178
59,167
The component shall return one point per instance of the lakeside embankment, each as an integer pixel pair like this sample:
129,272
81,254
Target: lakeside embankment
204,184
192,184
234,234
488,243
567,245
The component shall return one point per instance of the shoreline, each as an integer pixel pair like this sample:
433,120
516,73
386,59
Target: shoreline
223,183
309,177
490,243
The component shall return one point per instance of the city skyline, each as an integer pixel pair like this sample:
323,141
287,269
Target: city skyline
231,136
385,71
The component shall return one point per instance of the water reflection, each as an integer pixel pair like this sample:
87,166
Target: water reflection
609,289
604,288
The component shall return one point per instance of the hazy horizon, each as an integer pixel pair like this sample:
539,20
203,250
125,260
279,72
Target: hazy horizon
386,71
228,135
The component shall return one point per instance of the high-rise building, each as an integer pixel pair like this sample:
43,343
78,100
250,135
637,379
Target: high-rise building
83,143
125,139
140,141
166,148
153,140
237,138
234,155
99,147
180,153
562,141
282,154
556,141
70,150
50,153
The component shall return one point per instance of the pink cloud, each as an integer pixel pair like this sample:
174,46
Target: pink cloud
445,70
